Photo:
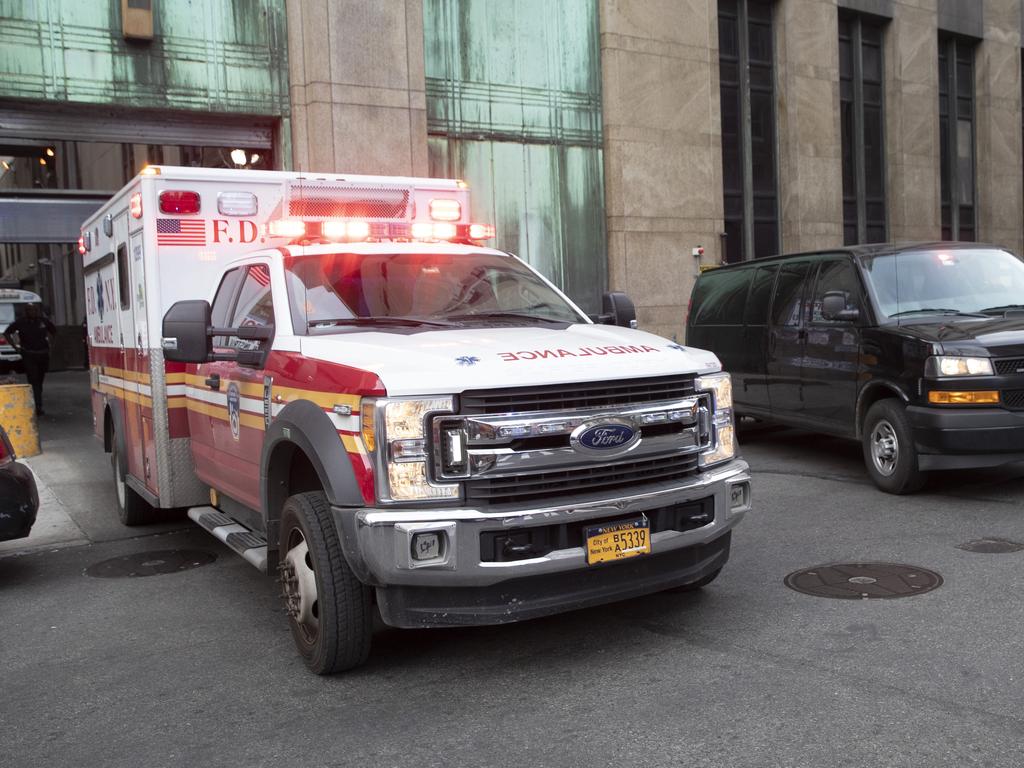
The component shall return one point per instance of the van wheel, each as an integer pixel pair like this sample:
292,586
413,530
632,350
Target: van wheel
889,451
328,608
693,586
132,509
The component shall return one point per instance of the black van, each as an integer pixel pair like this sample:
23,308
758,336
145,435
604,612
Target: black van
915,350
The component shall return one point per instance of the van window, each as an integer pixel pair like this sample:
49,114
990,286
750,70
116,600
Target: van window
789,305
223,302
720,296
836,275
760,295
255,305
124,283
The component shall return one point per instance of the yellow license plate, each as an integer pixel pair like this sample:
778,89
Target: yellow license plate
617,541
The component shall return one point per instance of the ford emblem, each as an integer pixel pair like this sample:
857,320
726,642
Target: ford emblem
604,438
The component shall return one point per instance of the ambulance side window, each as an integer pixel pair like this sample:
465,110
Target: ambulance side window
124,287
224,301
255,305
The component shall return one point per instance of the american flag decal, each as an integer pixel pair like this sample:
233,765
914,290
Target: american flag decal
181,232
260,274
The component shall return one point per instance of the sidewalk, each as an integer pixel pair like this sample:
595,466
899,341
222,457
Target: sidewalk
77,502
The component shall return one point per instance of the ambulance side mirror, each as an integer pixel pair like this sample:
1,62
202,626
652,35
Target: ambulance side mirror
617,309
185,337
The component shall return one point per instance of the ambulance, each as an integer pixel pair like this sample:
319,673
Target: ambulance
339,380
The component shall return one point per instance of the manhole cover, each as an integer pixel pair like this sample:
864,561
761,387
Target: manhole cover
863,581
991,546
150,563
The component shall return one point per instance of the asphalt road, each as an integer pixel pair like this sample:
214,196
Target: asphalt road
198,668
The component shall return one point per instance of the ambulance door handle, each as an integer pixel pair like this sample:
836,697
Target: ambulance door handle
213,382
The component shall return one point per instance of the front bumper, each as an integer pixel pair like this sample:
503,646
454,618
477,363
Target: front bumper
967,438
465,589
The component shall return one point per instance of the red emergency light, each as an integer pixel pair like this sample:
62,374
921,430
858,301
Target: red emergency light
81,245
481,231
135,205
179,201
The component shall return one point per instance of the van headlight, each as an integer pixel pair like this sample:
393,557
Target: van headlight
396,432
723,428
946,365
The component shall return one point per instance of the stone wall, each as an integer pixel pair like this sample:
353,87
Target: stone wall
357,86
663,168
998,125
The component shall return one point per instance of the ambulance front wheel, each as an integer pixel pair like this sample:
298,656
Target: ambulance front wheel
132,509
328,608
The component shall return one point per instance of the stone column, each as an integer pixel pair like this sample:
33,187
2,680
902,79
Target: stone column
662,151
810,146
998,126
357,86
912,122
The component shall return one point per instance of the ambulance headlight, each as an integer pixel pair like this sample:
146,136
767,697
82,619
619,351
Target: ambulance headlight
397,432
720,426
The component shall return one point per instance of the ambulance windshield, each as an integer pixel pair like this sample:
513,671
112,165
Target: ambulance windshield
339,289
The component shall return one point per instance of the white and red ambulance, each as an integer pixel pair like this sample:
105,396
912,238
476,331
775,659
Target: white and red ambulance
345,386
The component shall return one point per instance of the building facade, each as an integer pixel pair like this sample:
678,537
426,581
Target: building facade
92,92
609,140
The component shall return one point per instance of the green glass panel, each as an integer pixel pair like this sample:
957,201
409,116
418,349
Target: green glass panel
224,56
514,108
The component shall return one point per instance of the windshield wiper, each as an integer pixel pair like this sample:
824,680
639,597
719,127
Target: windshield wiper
406,322
505,316
1002,309
936,311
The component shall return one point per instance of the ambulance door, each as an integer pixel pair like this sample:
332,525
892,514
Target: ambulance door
227,436
131,368
243,385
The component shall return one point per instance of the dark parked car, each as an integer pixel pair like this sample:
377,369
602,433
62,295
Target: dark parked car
915,350
19,500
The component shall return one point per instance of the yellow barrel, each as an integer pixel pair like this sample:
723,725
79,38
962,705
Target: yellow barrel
18,418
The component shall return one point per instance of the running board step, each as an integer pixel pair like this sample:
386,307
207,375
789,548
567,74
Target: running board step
249,544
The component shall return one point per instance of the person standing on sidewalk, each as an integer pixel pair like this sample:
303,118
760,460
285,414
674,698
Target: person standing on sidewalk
34,332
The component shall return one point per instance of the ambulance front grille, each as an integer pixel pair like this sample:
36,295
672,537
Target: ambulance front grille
593,394
542,487
322,200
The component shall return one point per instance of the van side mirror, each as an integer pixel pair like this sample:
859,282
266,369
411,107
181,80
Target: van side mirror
833,307
185,333
617,309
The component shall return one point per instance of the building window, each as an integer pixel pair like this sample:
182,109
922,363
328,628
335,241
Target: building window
746,62
863,135
956,136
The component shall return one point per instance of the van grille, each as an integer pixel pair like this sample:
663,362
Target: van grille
1013,398
541,486
560,397
1010,366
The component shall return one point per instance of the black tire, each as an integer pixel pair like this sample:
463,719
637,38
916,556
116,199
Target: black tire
132,509
889,451
334,633
693,586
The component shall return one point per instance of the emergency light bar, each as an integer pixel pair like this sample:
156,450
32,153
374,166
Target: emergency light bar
356,231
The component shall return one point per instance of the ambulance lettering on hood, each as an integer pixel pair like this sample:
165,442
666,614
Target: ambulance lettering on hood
541,354
489,357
